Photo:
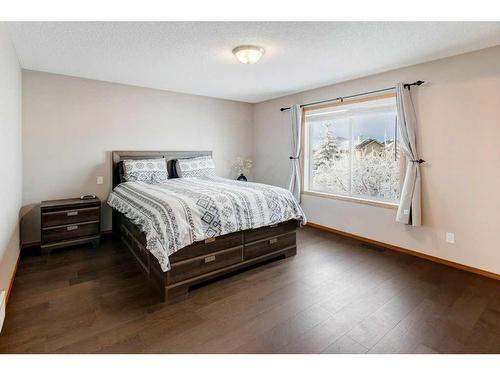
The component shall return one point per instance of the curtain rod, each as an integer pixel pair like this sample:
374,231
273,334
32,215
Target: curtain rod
341,98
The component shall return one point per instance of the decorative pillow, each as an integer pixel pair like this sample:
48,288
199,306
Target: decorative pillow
150,171
195,167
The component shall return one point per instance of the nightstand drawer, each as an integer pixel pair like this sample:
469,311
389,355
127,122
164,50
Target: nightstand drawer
63,217
70,231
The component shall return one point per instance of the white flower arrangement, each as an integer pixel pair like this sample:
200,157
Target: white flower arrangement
242,165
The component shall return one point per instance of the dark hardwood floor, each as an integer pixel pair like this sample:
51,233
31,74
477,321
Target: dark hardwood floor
336,296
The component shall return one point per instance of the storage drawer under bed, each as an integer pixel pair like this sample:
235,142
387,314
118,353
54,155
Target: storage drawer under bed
269,245
137,248
200,265
270,231
207,246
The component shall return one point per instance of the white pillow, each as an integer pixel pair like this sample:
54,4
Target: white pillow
195,167
150,171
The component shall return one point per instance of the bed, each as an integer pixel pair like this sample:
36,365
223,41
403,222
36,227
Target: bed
180,234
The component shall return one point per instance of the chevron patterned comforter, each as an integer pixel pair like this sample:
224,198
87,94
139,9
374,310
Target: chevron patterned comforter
185,210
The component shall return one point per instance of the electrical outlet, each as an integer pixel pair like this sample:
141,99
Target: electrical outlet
450,237
100,180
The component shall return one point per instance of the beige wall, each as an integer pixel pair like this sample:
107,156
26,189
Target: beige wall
459,135
71,125
11,157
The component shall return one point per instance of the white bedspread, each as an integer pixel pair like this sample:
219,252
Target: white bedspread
185,210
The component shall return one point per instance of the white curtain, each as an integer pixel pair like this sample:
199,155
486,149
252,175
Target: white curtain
409,211
296,117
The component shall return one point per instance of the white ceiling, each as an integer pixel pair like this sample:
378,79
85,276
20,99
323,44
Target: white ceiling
195,58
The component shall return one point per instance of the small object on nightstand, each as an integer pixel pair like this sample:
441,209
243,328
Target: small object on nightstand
66,222
88,196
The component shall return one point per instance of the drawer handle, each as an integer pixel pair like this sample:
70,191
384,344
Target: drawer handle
210,240
273,240
72,227
209,259
273,225
72,213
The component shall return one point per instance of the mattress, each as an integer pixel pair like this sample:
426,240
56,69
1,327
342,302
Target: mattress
181,211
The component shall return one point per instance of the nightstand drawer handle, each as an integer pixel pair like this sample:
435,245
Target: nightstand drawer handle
72,227
273,240
72,213
210,259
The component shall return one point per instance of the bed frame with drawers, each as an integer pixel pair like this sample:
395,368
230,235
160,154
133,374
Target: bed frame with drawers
203,260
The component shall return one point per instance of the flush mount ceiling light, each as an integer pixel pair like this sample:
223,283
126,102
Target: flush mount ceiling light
248,54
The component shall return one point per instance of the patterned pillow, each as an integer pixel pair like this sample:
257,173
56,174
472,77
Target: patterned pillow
196,167
150,171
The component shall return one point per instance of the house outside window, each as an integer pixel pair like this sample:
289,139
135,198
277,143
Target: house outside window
351,150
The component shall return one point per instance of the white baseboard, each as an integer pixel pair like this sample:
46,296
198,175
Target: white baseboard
3,302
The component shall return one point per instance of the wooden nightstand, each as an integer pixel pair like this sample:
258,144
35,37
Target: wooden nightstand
67,222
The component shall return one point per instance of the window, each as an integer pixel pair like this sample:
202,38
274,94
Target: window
351,150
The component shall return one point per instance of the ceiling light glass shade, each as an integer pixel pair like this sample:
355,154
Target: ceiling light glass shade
248,54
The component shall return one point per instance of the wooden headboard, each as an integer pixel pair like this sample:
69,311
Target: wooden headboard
170,156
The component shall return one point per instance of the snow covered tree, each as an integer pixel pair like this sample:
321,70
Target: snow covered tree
331,164
372,172
376,174
328,151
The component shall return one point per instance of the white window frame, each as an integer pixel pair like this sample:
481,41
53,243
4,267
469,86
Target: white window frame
305,157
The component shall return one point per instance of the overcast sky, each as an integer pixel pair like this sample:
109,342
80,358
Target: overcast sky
375,126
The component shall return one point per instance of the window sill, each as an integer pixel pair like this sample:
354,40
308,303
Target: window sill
393,206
